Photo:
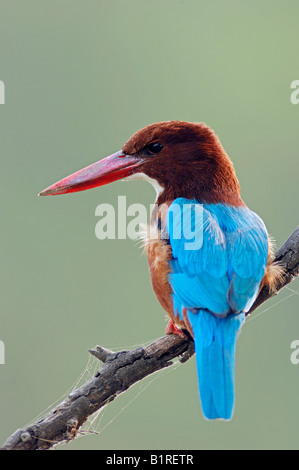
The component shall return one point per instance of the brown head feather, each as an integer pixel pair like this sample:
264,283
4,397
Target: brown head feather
191,164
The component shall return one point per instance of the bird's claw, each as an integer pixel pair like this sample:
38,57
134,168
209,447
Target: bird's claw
172,329
190,351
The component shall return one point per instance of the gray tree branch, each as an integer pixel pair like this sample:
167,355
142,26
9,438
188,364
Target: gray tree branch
122,369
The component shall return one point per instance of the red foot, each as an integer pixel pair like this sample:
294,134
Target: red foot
172,329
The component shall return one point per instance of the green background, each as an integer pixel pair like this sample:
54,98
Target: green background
80,78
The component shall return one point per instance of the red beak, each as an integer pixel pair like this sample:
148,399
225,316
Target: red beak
112,168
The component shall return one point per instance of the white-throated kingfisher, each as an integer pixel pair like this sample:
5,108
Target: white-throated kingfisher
205,288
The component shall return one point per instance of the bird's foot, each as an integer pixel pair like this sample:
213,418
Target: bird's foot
172,329
188,353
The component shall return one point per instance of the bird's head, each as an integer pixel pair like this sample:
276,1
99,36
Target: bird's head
181,159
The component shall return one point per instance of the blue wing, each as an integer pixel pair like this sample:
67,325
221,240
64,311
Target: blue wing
219,258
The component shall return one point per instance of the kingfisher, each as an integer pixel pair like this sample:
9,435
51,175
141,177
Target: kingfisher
208,254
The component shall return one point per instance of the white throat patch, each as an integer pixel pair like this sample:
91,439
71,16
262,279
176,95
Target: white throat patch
143,177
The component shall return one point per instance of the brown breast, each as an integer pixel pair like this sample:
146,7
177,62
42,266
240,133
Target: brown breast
159,253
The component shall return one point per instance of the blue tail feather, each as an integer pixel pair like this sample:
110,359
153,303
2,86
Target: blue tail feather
215,344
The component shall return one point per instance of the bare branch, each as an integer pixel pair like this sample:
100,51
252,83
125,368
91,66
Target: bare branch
122,369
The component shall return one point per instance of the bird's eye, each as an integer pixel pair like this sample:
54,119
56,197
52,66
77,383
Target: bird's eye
155,147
